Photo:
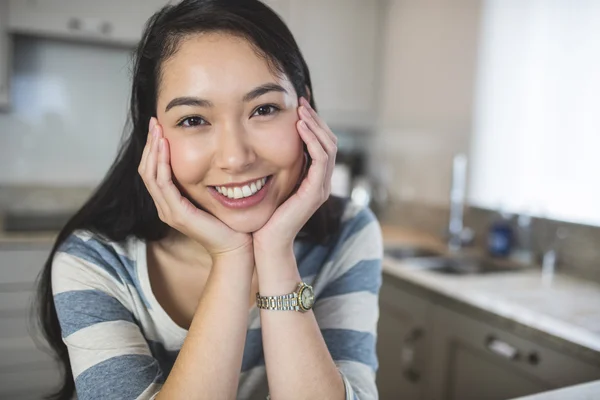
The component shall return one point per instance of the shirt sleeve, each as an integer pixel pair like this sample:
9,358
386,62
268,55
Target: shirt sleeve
347,310
109,355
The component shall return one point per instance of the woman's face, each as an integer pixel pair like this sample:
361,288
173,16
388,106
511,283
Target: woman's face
230,123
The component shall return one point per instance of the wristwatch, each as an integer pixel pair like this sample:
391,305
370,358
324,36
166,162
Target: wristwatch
300,300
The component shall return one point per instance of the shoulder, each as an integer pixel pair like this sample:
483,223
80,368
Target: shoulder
97,249
359,226
86,259
356,217
354,267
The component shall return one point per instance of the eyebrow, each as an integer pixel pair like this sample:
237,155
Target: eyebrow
198,102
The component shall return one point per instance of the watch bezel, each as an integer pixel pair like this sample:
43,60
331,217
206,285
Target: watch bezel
301,288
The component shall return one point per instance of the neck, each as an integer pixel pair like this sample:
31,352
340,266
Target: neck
183,248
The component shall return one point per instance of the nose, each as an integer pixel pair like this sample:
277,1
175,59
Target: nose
234,151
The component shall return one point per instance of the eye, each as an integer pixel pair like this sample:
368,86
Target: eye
190,122
266,109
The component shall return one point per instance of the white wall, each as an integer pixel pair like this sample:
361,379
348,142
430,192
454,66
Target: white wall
537,125
426,94
69,107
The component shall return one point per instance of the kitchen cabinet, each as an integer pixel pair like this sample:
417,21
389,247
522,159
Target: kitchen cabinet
431,349
25,370
110,21
5,55
473,360
340,41
402,343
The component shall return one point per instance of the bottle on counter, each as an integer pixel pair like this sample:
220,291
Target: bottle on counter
501,235
523,246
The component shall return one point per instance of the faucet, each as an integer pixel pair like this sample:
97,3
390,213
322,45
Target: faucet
458,235
550,256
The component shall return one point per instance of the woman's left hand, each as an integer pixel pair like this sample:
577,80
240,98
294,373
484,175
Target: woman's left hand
283,226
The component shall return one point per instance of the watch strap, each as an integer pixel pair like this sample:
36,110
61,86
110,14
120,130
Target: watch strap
286,302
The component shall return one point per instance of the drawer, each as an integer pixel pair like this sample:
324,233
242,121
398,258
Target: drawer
17,326
27,381
15,302
21,265
525,355
22,353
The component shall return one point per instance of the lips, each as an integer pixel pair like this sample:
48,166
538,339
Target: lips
261,187
242,191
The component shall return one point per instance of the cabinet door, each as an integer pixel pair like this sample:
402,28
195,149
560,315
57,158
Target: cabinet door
472,360
25,370
110,21
5,55
340,42
402,343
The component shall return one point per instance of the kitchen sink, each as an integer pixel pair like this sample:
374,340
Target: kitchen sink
404,252
464,265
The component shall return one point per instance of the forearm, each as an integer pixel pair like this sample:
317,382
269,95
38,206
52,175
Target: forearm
208,365
297,360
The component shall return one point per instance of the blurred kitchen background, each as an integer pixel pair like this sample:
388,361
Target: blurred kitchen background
471,128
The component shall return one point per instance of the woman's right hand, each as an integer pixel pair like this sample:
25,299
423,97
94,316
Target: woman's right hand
177,211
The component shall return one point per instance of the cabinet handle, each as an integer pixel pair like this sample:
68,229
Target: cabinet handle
533,358
408,355
90,25
74,24
501,348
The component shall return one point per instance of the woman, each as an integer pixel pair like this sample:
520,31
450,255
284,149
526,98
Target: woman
159,287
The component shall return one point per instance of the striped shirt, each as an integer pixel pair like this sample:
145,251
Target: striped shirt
122,344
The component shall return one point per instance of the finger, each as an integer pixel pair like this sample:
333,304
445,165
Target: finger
177,204
327,144
325,139
150,175
319,120
148,146
317,173
163,169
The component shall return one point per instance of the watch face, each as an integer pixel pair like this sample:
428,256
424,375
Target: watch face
307,297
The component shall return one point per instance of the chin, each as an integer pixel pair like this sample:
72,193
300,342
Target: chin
245,224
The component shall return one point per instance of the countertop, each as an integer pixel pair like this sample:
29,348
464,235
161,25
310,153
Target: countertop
8,239
564,311
584,391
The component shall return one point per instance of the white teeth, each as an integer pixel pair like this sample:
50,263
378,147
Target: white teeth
241,192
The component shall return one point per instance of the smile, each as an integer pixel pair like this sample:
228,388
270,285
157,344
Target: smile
239,192
242,196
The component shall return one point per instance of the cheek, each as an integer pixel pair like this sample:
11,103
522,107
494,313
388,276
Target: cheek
282,145
189,161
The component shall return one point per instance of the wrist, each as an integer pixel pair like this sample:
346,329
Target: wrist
239,258
266,245
277,273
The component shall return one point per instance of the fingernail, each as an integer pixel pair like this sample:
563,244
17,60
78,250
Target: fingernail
152,124
155,131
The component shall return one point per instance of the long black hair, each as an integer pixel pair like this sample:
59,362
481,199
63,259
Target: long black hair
121,205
